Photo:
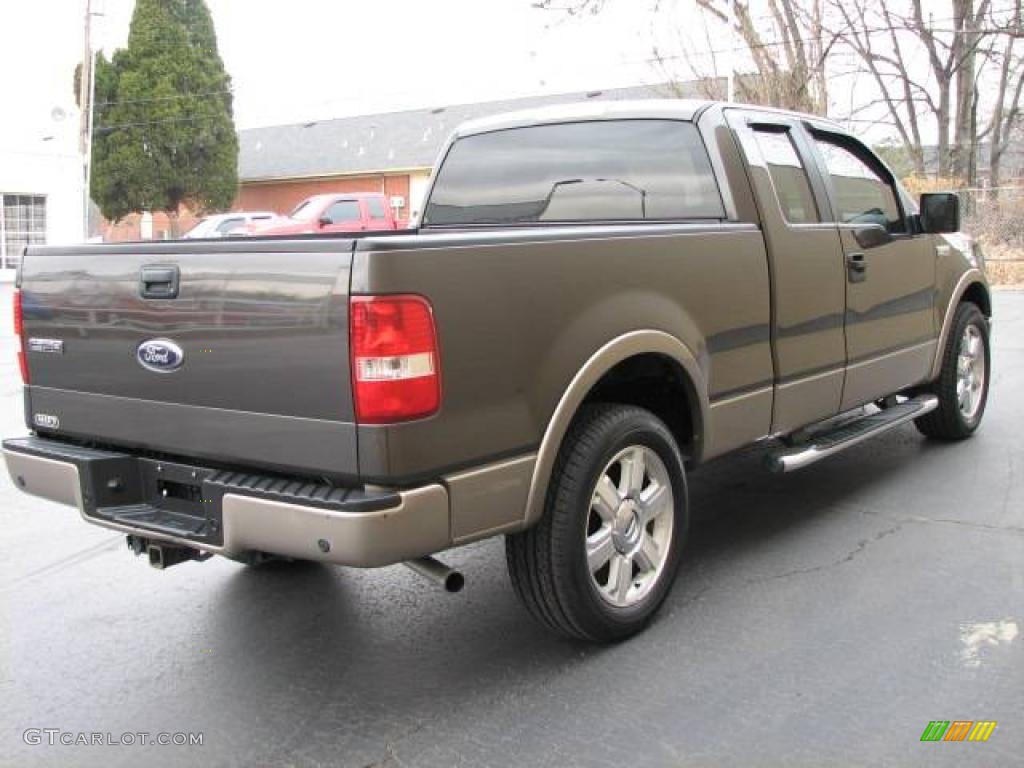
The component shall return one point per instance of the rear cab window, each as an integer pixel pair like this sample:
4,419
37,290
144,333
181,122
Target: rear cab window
375,207
789,177
626,170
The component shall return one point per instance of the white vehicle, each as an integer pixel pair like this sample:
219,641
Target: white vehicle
229,224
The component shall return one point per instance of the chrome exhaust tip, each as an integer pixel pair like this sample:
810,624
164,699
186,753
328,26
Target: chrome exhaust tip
436,572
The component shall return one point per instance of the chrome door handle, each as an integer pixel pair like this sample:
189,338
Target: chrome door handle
856,267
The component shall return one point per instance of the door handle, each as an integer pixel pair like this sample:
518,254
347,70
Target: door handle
856,267
159,282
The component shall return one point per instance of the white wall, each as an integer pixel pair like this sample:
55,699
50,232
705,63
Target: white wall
40,44
418,181
56,175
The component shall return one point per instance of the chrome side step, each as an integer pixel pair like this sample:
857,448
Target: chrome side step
828,443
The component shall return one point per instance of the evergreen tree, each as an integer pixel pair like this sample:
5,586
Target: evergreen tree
164,132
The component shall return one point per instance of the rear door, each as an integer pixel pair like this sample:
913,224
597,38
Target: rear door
890,273
808,272
235,351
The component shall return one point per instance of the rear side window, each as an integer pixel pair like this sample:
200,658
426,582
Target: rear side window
788,176
375,206
616,170
862,195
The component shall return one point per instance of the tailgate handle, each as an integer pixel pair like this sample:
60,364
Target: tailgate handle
159,282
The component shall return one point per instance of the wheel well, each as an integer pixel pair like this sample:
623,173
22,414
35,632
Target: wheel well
977,294
658,384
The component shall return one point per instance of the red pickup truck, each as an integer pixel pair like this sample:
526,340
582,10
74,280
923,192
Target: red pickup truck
352,212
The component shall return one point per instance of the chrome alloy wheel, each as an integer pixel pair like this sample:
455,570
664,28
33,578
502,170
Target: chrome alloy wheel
629,527
970,372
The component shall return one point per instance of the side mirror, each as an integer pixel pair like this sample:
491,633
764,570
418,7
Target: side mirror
940,212
325,221
872,236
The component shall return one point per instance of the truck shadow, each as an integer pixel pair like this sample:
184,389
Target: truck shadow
365,654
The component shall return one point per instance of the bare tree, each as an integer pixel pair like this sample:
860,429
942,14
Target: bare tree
1006,113
788,52
786,49
951,79
963,50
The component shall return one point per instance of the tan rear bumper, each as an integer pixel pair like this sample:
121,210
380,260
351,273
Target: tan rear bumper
417,525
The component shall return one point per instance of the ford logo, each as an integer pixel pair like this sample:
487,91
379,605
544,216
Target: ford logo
160,355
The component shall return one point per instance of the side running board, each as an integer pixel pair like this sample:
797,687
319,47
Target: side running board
828,443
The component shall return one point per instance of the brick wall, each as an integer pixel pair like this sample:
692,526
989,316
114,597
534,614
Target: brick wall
130,227
277,196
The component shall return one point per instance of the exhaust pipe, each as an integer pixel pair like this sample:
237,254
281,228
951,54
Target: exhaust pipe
435,571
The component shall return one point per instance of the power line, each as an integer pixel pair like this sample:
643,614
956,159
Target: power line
705,52
172,97
104,129
806,40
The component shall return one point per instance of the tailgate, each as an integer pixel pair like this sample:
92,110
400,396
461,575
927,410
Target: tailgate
247,364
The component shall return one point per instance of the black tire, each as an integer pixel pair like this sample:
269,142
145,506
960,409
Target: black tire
548,563
948,421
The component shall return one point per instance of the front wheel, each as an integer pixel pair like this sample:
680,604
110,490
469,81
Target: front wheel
605,553
962,386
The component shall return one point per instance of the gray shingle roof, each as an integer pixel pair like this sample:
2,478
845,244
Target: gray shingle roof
393,140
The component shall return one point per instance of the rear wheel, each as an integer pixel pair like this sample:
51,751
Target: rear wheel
962,386
604,555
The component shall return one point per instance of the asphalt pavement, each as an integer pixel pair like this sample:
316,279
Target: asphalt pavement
820,618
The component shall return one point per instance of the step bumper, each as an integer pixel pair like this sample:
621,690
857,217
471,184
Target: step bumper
239,513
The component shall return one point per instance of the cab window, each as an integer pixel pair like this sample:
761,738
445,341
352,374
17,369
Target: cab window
343,211
861,194
229,224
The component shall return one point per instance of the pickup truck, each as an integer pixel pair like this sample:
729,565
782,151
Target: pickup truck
599,299
332,214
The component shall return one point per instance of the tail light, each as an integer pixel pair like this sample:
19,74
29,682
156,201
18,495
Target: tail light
395,364
19,326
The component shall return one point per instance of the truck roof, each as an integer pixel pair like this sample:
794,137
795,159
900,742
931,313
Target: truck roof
674,109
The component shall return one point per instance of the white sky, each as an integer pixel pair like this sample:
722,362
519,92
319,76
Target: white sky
303,59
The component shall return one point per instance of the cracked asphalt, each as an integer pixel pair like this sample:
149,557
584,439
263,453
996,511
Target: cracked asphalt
820,618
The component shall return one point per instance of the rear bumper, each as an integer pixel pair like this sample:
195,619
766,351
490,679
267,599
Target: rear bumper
233,513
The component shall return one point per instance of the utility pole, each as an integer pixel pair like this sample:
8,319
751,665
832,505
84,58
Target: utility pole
730,81
86,89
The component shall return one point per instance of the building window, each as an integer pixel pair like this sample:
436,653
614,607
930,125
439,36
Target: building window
23,223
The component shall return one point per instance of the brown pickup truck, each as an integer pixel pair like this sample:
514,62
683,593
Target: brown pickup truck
599,299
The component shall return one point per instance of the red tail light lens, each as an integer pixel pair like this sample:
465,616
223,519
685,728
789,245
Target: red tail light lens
395,364
18,328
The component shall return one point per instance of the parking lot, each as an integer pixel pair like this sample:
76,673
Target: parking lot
820,618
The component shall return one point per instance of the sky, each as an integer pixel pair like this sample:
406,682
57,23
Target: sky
298,60
305,59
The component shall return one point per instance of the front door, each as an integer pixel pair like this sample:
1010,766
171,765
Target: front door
344,216
890,273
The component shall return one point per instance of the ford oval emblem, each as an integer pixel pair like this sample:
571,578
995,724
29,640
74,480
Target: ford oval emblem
160,355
